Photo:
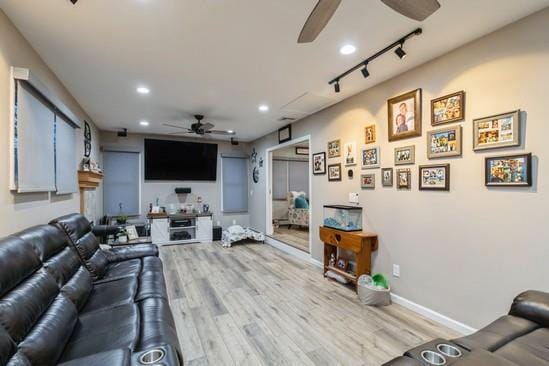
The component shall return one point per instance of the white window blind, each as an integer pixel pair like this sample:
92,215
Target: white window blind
280,179
298,176
65,157
234,184
121,183
34,142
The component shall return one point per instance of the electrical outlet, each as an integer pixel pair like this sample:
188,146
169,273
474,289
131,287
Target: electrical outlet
396,270
234,222
353,198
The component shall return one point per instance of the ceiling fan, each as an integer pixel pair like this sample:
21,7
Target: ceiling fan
322,13
200,128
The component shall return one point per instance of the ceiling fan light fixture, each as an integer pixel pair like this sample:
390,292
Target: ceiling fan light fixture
400,51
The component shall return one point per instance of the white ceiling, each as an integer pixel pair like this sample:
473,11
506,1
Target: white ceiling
223,58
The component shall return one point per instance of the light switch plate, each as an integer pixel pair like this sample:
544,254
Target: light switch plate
353,197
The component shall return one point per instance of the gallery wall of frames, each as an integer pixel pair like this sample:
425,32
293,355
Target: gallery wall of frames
404,120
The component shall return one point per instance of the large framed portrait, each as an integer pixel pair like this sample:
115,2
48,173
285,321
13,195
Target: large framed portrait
349,153
405,155
447,109
319,163
404,115
370,134
434,177
444,142
370,157
334,172
496,131
404,179
334,149
509,171
368,181
284,134
387,177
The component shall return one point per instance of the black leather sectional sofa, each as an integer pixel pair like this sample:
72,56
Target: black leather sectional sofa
65,301
519,338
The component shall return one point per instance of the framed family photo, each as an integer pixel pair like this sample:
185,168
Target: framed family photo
334,149
319,163
370,134
404,179
444,142
434,177
405,155
284,134
334,172
387,177
349,151
368,181
370,157
404,114
301,150
496,131
509,171
447,109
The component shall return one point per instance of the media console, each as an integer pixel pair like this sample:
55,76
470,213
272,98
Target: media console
182,228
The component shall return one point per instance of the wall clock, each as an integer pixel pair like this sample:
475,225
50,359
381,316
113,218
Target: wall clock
255,174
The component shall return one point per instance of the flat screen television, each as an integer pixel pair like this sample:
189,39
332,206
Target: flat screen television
180,160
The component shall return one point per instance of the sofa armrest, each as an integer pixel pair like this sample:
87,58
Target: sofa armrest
117,357
532,305
131,252
402,361
481,357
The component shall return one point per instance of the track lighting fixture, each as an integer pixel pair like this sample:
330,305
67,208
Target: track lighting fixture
365,71
399,51
74,1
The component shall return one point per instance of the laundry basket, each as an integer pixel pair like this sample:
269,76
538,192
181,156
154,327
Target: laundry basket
373,292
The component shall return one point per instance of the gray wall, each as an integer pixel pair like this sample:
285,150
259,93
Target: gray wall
19,211
464,253
150,190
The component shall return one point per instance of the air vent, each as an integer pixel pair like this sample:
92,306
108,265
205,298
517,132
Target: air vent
286,119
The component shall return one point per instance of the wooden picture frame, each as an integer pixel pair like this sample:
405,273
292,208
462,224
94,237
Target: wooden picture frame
334,172
404,115
434,177
319,163
405,155
444,142
508,170
370,134
447,109
387,177
404,178
284,134
342,264
497,131
370,157
368,181
334,149
300,150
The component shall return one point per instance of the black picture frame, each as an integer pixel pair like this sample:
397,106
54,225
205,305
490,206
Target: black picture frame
301,150
445,187
322,170
332,178
489,177
284,134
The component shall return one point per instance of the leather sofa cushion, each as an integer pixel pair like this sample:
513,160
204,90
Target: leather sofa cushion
78,288
531,349
496,334
157,325
46,240
131,252
152,264
532,305
117,357
127,268
151,284
7,347
111,294
481,357
18,260
104,330
74,225
45,343
63,266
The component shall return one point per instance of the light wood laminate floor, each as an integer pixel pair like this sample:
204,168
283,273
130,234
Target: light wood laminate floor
295,236
255,305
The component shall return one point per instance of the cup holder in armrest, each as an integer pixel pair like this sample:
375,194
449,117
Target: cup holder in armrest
448,350
152,356
433,358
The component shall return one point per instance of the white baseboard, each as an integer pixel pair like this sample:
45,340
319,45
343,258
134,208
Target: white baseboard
433,315
288,249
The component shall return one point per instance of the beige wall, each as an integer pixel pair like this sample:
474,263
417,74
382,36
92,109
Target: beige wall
467,252
165,190
18,211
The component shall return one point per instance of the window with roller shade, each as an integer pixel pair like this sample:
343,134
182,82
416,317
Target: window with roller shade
234,173
289,175
121,170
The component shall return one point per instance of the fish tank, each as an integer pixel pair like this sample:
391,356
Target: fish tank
341,217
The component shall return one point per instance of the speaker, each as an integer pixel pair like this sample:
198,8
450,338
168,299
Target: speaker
234,141
123,133
216,233
180,190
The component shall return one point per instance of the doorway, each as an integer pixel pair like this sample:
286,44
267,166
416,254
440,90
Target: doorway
289,194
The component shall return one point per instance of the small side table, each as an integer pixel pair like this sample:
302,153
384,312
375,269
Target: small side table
360,243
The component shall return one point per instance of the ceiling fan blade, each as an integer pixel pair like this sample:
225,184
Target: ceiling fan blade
175,126
221,132
206,126
417,9
319,17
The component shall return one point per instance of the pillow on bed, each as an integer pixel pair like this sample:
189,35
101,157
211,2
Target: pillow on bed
236,230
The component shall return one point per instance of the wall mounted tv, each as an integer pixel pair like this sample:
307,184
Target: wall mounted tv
180,160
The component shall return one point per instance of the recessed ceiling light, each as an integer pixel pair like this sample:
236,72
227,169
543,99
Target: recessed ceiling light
347,49
263,108
143,90
144,123
230,131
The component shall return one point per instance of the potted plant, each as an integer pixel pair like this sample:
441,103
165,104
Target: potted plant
121,219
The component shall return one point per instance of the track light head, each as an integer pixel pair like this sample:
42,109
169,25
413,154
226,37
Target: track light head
74,1
400,51
336,87
365,71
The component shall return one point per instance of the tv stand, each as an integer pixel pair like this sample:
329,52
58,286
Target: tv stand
181,228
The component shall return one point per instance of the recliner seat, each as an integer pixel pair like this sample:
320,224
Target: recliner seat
65,301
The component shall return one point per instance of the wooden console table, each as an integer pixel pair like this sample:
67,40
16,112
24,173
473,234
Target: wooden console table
360,243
